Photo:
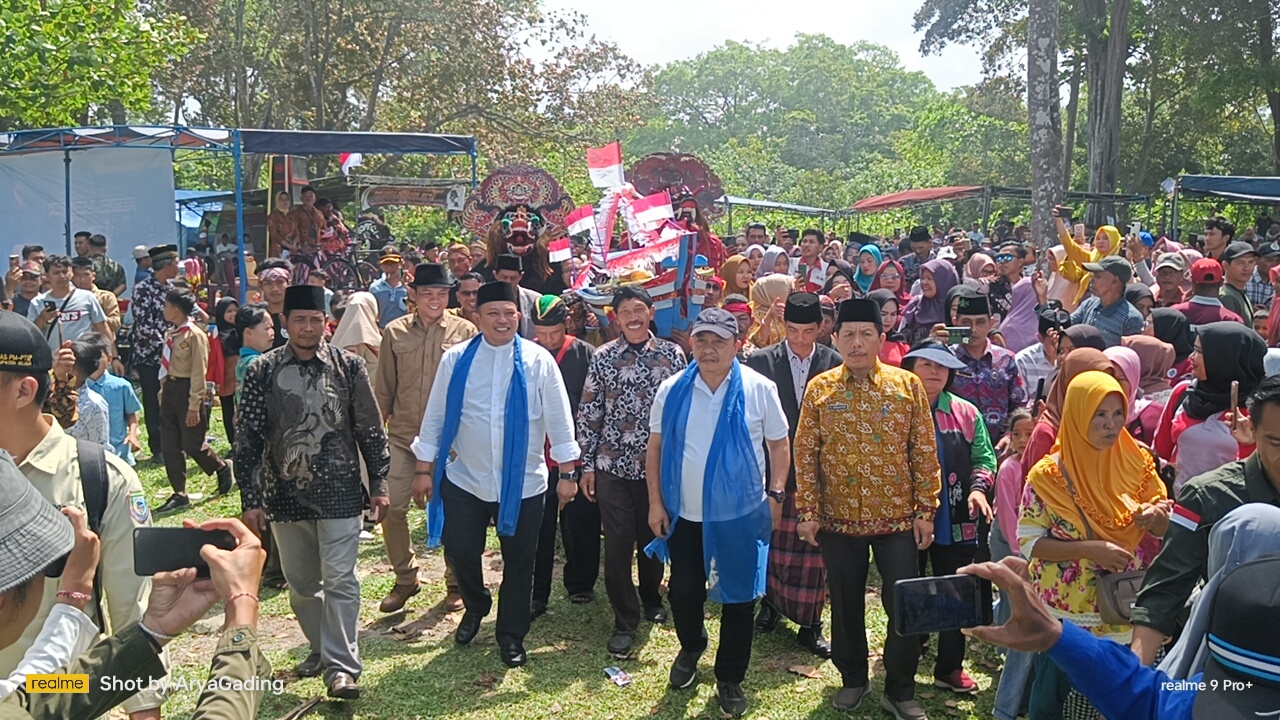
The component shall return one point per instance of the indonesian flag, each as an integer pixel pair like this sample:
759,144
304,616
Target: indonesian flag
651,210
1185,518
558,250
350,160
581,220
605,165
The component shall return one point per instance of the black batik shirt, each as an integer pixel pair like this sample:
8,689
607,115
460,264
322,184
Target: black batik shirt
302,427
149,324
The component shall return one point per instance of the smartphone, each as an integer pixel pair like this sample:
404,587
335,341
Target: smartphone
938,604
164,549
1040,390
13,261
959,335
1135,228
1065,213
50,306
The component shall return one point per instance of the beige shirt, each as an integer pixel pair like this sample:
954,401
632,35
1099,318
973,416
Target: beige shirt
407,365
54,470
110,307
189,359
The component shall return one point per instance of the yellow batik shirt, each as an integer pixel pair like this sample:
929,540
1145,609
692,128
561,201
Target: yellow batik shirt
866,455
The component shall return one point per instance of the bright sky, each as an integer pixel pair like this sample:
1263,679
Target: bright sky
659,31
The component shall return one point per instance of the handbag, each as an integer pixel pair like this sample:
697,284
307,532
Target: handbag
1117,592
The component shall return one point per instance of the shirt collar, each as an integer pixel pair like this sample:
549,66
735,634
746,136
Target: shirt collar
944,402
1257,483
988,354
793,354
321,356
45,455
1202,300
873,377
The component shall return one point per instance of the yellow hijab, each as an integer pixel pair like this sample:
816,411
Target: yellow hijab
1109,484
1075,272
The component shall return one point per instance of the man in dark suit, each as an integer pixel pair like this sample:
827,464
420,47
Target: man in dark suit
797,579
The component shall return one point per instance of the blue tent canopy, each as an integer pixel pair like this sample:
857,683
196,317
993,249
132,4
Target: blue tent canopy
320,142
1231,187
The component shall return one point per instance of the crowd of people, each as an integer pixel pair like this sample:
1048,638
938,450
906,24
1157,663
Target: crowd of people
1092,425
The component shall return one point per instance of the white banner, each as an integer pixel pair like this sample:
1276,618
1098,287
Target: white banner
125,194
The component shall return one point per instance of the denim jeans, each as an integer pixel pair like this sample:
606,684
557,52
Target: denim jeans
1014,678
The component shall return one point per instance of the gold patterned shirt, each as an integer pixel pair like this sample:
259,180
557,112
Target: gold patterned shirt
866,456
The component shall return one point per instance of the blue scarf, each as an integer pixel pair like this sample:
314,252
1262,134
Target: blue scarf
515,443
736,523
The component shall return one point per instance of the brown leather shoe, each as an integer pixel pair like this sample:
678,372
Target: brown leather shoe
399,595
453,601
343,687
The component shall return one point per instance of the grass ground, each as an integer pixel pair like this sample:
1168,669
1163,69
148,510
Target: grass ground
413,669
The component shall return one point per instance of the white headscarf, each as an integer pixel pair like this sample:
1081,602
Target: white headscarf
359,324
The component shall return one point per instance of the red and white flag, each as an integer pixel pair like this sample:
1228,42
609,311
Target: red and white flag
581,220
1184,517
558,250
651,210
350,160
605,165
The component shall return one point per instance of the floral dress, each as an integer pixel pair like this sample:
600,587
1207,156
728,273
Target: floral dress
1069,588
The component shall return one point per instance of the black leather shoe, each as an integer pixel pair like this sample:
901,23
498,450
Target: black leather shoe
311,667
343,687
173,504
656,614
811,638
766,619
468,628
620,644
513,655
226,480
537,609
684,670
732,700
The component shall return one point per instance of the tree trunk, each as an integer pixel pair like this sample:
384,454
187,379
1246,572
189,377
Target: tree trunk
1266,55
1108,48
1043,115
1073,112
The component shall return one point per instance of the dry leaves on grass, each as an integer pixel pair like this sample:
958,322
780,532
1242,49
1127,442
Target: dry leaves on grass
808,671
555,707
486,681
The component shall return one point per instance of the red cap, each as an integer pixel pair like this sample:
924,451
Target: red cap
1206,271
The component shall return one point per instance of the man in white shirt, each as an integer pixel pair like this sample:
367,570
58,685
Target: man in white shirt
730,517
65,312
1039,362
492,477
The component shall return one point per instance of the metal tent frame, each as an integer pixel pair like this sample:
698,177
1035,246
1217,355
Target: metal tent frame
233,141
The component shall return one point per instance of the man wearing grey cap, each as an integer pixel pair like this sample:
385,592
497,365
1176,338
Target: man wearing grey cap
1107,309
1171,274
707,502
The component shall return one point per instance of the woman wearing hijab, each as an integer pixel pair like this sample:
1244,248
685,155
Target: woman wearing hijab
1130,367
737,276
840,285
1245,534
755,255
768,301
1225,352
937,277
869,261
775,261
1273,329
1155,358
1080,518
358,329
1079,336
893,348
1106,243
833,251
890,277
1141,298
980,268
1045,432
1172,327
227,343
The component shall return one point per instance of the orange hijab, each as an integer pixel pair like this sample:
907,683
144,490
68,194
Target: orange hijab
1109,484
728,272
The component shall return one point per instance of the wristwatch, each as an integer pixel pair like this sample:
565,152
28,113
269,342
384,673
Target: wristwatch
779,495
570,477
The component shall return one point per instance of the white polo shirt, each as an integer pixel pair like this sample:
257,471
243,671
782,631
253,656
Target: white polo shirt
765,421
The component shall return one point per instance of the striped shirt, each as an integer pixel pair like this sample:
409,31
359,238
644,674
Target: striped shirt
1113,321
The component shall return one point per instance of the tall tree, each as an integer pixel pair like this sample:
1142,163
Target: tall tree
1106,32
1044,123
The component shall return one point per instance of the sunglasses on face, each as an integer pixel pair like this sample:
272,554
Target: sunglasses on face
1004,258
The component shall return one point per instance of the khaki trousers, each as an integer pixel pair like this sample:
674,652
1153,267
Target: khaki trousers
395,528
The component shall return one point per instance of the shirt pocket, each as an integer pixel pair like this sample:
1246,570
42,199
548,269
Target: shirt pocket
410,357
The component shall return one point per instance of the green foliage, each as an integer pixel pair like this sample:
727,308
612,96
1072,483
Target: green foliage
66,61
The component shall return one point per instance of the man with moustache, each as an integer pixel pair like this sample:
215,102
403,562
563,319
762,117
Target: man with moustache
494,402
797,580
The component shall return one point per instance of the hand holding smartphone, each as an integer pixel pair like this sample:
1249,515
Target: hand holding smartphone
938,604
165,549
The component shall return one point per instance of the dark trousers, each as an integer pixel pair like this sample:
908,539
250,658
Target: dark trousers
465,528
624,515
580,533
149,379
228,403
845,557
181,439
946,559
687,593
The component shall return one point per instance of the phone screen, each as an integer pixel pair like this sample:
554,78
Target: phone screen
958,335
163,549
937,604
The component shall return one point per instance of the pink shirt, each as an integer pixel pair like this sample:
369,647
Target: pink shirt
1009,483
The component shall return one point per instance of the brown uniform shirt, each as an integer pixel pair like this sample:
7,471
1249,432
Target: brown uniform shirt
407,365
279,227
189,359
110,307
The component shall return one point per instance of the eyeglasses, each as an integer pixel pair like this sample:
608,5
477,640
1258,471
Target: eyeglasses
468,293
1004,258
891,276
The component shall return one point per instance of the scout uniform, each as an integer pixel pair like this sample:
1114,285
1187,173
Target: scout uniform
110,307
53,468
182,390
407,366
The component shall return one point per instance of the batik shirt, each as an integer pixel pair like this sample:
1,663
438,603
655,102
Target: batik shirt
149,325
991,382
613,420
94,421
303,427
866,456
